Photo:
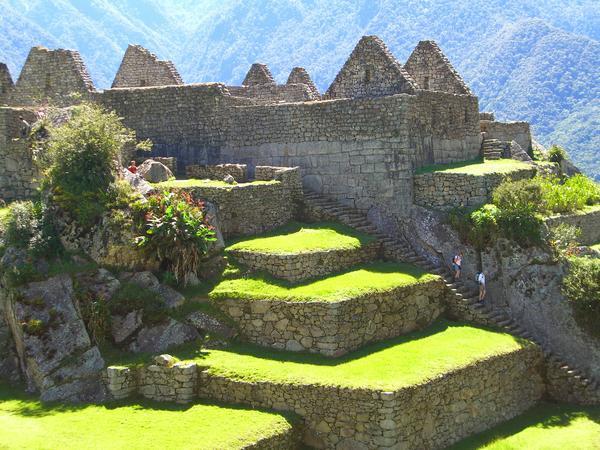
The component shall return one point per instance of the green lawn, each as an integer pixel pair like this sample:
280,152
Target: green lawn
596,247
546,427
389,365
476,167
25,423
379,276
4,212
304,238
206,183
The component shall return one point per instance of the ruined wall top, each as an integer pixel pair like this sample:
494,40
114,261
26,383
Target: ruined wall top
371,71
257,75
140,68
299,75
432,70
51,75
6,83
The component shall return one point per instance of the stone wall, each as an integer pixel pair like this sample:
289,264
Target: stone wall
17,171
257,75
265,94
142,68
431,415
370,71
431,70
6,84
508,131
442,190
299,75
297,267
253,208
335,328
564,388
217,172
52,75
587,221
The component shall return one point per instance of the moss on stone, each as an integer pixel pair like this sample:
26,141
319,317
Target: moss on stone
27,423
378,276
191,183
297,237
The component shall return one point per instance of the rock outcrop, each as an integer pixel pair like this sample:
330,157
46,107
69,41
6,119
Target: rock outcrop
154,172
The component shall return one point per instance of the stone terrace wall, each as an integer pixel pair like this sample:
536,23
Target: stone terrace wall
17,171
217,172
432,415
297,267
274,93
6,84
587,221
508,131
441,190
51,75
335,328
142,68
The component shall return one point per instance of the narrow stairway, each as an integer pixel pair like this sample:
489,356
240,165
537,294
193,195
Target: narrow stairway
492,149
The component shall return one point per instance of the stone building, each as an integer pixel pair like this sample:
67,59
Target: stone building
141,68
359,143
6,84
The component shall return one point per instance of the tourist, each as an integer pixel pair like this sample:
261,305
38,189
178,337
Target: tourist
481,283
457,265
132,167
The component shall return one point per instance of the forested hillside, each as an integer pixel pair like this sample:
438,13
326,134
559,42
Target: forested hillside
526,60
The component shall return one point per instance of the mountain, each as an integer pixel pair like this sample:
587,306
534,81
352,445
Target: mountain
526,60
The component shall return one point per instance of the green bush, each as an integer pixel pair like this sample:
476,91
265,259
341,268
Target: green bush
484,227
556,154
174,230
83,160
132,297
521,225
564,239
521,195
581,286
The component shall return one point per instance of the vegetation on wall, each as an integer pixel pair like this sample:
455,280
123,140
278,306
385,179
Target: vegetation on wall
173,229
581,286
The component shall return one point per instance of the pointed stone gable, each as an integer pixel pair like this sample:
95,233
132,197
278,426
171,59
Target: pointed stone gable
257,75
53,75
140,68
370,71
299,75
432,71
6,83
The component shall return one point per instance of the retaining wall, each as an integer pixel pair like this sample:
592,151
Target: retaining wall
442,190
335,328
587,221
508,131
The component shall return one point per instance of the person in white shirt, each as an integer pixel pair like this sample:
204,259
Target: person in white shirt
481,283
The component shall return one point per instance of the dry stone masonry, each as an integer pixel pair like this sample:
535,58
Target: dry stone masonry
141,68
299,75
6,84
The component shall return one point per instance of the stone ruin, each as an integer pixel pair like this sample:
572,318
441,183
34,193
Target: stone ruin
358,143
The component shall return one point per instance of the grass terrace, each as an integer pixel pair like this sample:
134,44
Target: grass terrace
4,212
296,238
192,182
476,167
393,364
27,423
378,276
545,427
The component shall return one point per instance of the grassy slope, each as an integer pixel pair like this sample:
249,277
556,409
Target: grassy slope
476,167
303,238
4,212
389,365
26,423
546,426
379,276
206,183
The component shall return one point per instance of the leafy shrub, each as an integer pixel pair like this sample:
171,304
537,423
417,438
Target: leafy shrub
581,286
484,225
521,225
521,195
131,297
564,239
175,231
556,154
83,159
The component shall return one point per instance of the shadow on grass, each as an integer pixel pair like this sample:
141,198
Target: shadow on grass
545,415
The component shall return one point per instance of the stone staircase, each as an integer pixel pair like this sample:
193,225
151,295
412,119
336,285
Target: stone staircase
492,149
566,382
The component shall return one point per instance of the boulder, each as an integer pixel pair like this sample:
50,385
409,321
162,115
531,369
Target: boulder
212,218
162,336
209,324
165,360
154,172
138,183
229,179
54,348
122,327
99,283
170,297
